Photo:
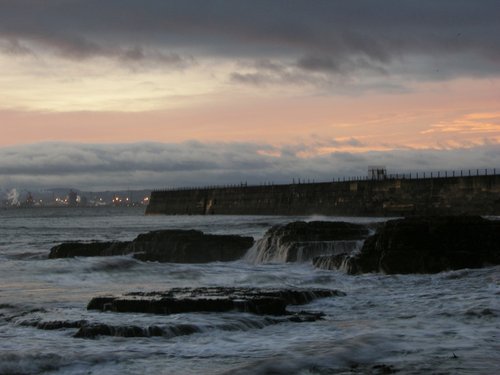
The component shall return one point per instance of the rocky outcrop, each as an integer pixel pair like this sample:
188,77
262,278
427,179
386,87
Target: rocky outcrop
215,299
189,246
301,241
424,245
177,246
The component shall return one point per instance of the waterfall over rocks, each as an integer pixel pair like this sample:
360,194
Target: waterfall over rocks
302,241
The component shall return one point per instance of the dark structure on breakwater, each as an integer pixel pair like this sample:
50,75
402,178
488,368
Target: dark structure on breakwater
394,195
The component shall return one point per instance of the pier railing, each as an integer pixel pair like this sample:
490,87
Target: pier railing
393,176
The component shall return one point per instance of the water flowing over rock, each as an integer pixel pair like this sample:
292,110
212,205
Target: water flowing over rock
173,330
177,246
211,299
302,241
424,245
91,330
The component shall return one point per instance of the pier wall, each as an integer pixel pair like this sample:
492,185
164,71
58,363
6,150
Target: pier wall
388,197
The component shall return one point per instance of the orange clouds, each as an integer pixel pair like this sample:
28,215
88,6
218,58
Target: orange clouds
433,115
472,128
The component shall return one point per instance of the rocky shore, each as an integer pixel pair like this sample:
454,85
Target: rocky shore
412,245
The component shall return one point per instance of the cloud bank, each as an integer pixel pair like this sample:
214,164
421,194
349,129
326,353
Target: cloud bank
157,165
427,39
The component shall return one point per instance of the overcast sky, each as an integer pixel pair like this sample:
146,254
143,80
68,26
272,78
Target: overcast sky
152,93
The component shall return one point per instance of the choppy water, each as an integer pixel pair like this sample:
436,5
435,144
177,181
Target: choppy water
448,323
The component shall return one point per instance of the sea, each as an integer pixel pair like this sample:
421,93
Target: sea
445,323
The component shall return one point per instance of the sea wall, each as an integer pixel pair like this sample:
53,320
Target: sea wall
389,197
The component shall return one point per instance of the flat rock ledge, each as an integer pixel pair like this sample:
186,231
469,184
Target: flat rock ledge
263,307
423,245
211,299
176,246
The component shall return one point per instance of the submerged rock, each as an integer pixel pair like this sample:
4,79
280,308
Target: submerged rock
424,245
94,330
214,299
55,324
301,241
236,322
177,246
174,330
91,249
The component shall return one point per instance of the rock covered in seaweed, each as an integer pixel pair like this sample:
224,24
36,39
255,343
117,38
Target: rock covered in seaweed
177,246
424,245
300,241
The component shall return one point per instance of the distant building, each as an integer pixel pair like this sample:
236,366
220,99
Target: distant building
377,173
72,199
84,201
29,202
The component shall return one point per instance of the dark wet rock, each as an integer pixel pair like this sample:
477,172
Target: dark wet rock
15,313
54,324
189,246
91,249
177,246
482,313
6,306
215,299
262,308
281,365
424,245
383,369
299,241
306,316
94,330
239,324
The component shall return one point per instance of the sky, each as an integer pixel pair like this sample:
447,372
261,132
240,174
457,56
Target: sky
150,94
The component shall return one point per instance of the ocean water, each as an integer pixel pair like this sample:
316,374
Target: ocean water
447,323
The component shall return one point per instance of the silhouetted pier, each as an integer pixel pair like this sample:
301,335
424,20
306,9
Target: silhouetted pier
473,191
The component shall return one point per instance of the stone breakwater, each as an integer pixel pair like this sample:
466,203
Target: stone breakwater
479,195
